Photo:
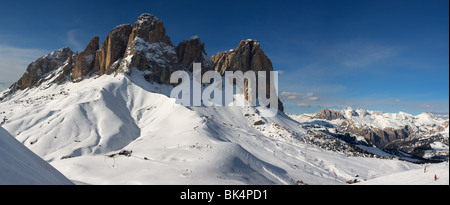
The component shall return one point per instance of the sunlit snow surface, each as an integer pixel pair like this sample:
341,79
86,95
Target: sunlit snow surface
20,166
75,126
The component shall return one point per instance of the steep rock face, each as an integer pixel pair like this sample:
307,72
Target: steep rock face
112,50
376,136
247,56
430,144
38,71
66,71
85,61
382,137
150,29
193,51
328,114
150,50
422,147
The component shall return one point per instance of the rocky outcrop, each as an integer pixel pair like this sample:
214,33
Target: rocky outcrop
247,56
85,61
66,71
376,136
38,71
328,114
422,147
382,137
193,51
112,50
149,28
442,127
150,50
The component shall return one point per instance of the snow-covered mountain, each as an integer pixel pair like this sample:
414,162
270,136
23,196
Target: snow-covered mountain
423,135
106,118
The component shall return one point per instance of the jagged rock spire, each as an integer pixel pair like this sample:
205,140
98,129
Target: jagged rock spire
149,49
84,64
193,51
150,29
247,56
112,50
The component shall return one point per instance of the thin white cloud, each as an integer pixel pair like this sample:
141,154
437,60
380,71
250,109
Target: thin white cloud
297,97
73,41
303,105
14,61
425,106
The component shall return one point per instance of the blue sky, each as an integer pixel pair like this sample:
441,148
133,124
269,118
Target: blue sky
374,54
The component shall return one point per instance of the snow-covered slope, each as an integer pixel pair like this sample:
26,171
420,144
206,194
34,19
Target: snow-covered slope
415,177
19,165
123,130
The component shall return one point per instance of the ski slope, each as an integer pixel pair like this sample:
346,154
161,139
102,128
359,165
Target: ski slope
415,176
81,129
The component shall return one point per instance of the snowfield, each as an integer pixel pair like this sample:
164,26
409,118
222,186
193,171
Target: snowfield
123,130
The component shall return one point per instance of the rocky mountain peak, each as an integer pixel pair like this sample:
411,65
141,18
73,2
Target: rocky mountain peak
193,51
149,49
37,71
146,17
150,29
328,114
112,49
85,61
247,56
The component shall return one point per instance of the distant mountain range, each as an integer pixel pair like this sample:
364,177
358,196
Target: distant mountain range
423,135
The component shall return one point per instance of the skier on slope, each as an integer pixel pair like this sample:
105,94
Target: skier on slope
435,177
